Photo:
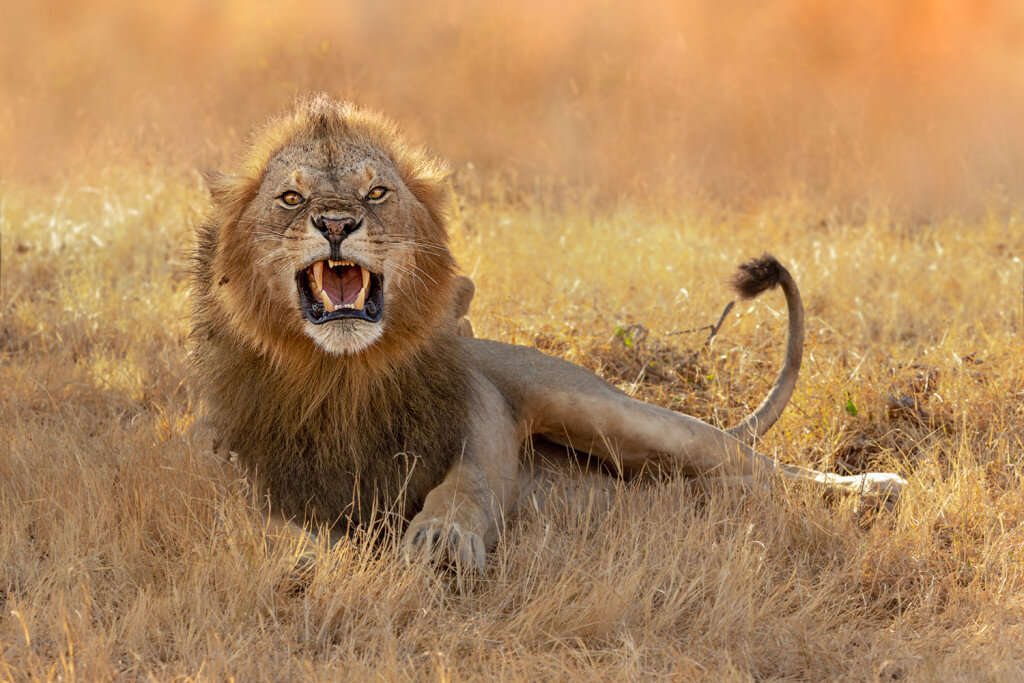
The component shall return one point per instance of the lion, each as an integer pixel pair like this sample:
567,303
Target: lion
332,352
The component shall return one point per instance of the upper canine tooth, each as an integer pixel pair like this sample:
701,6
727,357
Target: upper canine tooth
318,273
366,278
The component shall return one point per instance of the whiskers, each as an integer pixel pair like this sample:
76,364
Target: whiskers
409,268
425,247
272,257
260,228
277,250
414,272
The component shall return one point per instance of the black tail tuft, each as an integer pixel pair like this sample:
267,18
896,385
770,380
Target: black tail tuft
756,276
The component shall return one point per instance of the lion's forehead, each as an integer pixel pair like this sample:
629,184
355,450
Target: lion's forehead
337,163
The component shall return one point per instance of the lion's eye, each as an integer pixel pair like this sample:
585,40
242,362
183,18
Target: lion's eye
377,193
291,198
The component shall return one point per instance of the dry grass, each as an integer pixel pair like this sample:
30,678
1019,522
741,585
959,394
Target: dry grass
113,523
624,160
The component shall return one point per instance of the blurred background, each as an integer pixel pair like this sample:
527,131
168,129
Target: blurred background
915,104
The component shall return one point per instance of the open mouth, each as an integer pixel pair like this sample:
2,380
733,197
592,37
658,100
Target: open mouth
332,290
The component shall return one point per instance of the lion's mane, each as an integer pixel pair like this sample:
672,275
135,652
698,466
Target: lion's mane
332,439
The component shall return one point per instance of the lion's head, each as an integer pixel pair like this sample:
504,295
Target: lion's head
330,231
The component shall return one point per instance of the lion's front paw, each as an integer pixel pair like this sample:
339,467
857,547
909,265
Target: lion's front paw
299,575
445,543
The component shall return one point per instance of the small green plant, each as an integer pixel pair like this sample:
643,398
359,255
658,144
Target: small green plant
850,407
624,335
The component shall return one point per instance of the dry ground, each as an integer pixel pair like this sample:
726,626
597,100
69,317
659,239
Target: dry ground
115,557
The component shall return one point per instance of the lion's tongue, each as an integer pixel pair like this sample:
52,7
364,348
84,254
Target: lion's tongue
342,284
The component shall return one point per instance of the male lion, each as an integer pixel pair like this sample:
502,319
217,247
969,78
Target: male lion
328,353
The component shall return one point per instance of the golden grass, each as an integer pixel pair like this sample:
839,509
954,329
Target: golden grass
114,523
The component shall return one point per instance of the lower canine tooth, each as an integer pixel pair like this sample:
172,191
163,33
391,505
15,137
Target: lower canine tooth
361,299
328,304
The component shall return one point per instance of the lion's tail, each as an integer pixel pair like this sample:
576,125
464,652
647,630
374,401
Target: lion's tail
753,277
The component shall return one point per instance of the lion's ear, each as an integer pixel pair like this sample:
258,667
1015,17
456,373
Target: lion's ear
228,192
218,184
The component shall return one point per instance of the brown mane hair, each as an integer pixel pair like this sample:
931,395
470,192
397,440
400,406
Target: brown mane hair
331,438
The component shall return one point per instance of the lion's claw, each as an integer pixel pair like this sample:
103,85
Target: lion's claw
444,543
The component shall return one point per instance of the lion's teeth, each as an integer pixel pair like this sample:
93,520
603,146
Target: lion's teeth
328,304
360,300
318,274
366,278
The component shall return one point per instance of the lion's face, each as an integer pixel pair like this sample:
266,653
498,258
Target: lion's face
335,244
333,237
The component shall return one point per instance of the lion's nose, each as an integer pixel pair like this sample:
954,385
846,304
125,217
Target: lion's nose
336,229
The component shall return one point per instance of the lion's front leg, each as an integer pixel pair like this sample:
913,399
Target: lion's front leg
462,516
458,522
